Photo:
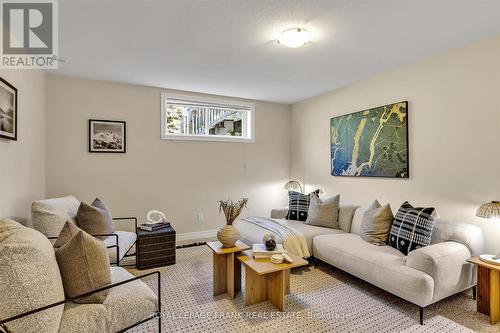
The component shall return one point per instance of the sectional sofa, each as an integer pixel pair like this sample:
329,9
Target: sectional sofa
425,276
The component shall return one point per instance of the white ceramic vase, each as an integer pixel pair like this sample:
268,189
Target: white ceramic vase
228,235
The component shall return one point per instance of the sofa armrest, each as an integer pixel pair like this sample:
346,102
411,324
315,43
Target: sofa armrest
279,213
446,264
71,299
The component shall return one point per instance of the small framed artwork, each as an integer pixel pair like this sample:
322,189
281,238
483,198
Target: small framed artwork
107,136
8,110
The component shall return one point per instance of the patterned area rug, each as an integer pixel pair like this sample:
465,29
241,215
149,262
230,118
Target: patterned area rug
325,299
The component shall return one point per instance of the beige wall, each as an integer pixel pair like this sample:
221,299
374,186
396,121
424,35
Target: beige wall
454,118
454,133
22,162
181,178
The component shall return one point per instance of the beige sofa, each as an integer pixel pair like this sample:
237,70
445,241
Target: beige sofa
425,276
48,216
32,296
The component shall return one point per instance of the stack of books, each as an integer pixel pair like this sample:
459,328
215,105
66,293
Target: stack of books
154,226
260,252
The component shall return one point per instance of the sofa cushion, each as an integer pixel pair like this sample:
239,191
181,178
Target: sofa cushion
84,265
94,219
324,213
67,232
310,232
50,215
124,306
29,279
126,240
298,205
376,224
382,266
412,228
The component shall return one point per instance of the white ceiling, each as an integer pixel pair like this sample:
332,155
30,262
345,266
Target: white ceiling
226,47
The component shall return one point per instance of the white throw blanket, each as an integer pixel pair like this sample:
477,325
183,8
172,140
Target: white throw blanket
293,241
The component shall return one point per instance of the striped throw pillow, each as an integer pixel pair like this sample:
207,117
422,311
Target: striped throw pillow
298,205
412,228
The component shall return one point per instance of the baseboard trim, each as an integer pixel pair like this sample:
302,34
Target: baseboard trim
196,235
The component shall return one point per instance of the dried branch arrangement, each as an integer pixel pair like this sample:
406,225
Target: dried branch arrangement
232,209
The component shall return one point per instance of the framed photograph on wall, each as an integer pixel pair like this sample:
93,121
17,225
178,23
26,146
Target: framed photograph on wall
8,110
107,136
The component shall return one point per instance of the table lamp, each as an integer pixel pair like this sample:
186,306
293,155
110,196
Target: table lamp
293,185
490,210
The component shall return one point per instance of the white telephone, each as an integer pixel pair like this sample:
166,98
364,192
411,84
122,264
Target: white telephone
155,216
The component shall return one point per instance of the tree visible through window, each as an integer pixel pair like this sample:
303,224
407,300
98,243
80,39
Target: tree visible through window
206,119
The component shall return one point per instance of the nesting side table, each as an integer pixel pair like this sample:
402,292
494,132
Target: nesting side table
265,281
227,270
488,289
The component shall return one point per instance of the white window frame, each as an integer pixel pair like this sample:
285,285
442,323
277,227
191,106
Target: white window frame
248,122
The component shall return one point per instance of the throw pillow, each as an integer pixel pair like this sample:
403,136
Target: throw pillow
323,213
84,266
100,204
95,219
412,228
67,232
376,224
298,205
346,214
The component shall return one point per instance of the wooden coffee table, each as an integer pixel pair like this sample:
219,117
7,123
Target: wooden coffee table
227,271
267,281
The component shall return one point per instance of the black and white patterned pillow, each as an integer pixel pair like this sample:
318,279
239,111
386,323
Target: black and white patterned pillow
298,205
412,228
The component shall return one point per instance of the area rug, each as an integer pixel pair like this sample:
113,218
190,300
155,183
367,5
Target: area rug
323,299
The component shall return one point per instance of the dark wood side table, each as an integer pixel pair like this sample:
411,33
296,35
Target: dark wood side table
155,248
488,289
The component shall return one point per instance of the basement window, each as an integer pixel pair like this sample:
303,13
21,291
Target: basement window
194,118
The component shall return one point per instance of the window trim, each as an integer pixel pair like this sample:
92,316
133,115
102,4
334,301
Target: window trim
218,138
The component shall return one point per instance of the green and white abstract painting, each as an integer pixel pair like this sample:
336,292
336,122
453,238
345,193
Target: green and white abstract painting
371,143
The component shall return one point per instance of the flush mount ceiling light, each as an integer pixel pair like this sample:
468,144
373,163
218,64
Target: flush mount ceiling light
294,37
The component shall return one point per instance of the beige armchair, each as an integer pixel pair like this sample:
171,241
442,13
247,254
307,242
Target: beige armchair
32,294
49,216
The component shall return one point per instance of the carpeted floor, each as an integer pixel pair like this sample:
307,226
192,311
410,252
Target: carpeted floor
321,300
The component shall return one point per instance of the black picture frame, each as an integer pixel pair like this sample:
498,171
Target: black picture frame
407,155
107,125
7,86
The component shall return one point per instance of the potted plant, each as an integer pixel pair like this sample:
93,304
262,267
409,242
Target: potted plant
228,234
